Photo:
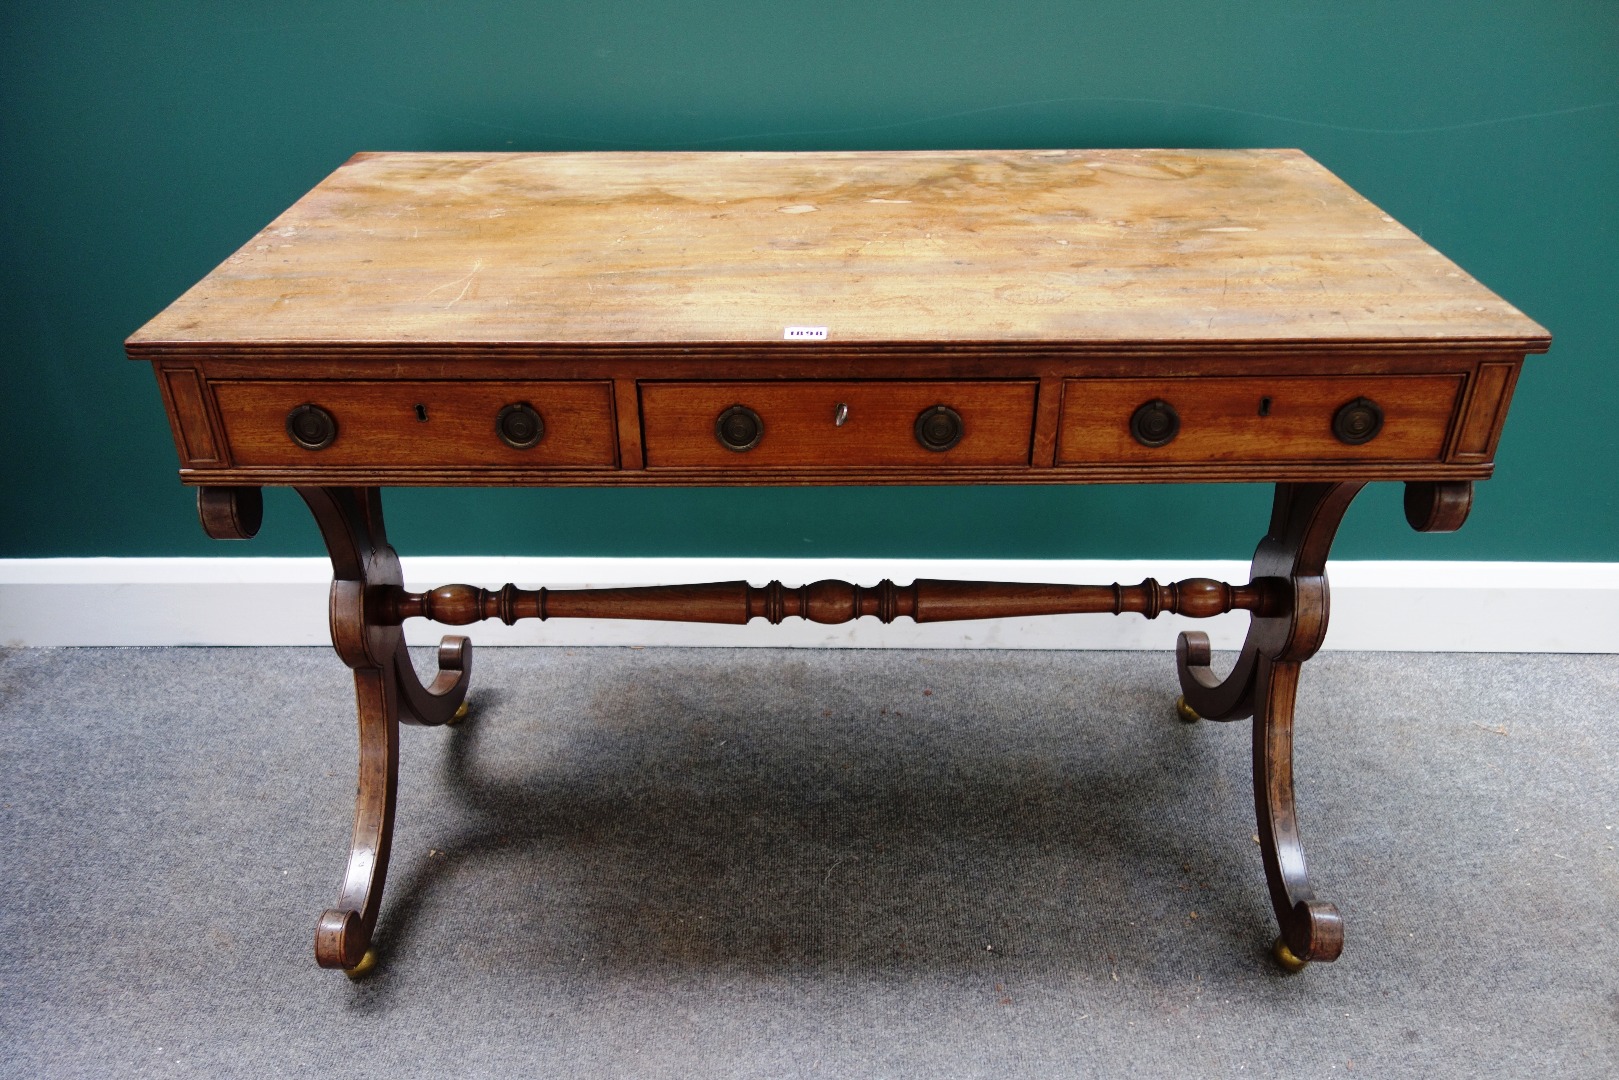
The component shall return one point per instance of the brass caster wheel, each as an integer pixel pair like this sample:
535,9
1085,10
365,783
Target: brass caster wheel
461,713
1185,711
363,968
1285,959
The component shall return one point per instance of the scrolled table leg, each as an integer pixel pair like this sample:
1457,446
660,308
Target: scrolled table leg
1291,562
1311,929
343,934
387,691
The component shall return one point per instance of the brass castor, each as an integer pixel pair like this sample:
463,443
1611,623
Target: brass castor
1285,959
461,713
363,968
1185,711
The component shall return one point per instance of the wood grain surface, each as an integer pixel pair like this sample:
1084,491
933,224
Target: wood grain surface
1032,246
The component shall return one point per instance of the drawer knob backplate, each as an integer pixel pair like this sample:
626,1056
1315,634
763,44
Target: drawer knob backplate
519,426
311,427
938,428
739,428
1155,424
1358,422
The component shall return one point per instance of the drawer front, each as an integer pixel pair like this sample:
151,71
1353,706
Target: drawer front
422,423
1255,419
800,428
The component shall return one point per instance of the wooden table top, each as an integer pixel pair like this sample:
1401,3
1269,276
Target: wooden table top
1076,249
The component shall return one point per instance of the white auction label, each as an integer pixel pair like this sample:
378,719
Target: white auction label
804,333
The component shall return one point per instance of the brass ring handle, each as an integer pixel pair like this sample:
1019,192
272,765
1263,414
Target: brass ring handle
1358,422
739,428
939,428
311,427
519,426
1155,423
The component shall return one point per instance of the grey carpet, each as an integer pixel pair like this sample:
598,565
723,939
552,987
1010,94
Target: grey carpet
704,863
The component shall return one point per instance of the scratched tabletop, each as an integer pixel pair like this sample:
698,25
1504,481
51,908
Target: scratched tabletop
1036,246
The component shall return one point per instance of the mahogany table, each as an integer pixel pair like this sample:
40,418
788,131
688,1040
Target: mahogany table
1020,317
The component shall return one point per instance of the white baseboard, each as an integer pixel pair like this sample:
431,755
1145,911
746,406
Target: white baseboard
1403,606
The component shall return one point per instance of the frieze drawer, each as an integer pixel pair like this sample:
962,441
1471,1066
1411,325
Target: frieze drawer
1328,418
424,423
814,423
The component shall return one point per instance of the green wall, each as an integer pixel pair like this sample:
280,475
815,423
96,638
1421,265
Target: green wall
142,142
